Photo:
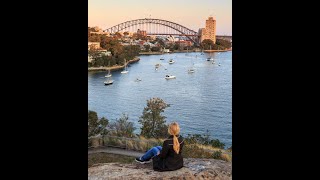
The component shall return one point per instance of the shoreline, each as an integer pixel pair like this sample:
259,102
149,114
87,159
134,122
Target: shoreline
148,53
217,50
181,51
113,67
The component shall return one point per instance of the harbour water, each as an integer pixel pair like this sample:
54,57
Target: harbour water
198,101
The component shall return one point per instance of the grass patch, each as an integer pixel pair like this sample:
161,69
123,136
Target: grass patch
97,158
202,151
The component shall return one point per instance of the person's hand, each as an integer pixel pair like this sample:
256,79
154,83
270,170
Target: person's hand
158,153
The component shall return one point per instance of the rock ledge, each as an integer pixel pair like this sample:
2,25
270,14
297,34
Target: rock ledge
193,169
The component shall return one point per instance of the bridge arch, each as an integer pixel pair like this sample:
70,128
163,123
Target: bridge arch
183,31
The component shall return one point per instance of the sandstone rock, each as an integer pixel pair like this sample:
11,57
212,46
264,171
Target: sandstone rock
193,169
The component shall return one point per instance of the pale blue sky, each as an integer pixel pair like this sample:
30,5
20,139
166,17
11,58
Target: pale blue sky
189,13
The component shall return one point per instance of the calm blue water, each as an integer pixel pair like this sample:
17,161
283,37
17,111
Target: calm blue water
199,101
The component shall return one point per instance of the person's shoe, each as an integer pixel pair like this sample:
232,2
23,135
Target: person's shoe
139,160
148,161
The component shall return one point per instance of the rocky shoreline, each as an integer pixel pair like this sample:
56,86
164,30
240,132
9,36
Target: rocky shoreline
193,169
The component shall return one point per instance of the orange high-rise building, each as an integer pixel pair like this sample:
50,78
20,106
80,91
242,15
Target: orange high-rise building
209,32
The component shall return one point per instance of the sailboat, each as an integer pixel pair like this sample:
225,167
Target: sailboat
125,71
138,79
191,69
109,74
202,52
210,58
109,80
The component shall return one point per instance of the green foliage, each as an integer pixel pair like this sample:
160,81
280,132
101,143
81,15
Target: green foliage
122,127
176,46
94,53
147,47
223,43
96,126
153,123
204,140
217,155
113,45
155,49
216,143
207,43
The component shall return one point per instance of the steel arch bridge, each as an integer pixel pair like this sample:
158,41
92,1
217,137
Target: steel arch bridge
157,27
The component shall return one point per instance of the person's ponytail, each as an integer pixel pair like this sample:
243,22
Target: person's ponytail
174,130
176,144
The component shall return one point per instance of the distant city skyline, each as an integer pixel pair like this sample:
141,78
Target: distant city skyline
189,13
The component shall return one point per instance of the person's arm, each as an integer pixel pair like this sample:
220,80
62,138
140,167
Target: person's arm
165,150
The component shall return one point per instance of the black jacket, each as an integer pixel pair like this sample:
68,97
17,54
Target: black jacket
168,159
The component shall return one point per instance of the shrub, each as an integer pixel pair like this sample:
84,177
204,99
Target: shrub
96,126
217,155
216,143
122,127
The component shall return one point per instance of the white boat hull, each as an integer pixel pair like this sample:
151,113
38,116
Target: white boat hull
108,82
171,77
108,75
124,72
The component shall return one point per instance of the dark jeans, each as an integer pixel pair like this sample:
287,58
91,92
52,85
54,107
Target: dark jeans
151,153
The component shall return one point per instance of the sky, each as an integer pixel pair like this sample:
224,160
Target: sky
189,13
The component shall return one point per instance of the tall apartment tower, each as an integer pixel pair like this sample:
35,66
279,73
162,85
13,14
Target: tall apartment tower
209,32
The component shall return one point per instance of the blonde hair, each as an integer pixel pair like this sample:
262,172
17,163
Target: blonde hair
174,130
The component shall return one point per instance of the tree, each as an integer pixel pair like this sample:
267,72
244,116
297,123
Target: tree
155,49
153,123
147,47
96,126
223,43
94,53
207,43
176,46
117,35
216,143
122,127
160,41
94,38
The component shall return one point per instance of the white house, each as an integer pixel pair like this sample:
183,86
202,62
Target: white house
166,50
105,52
